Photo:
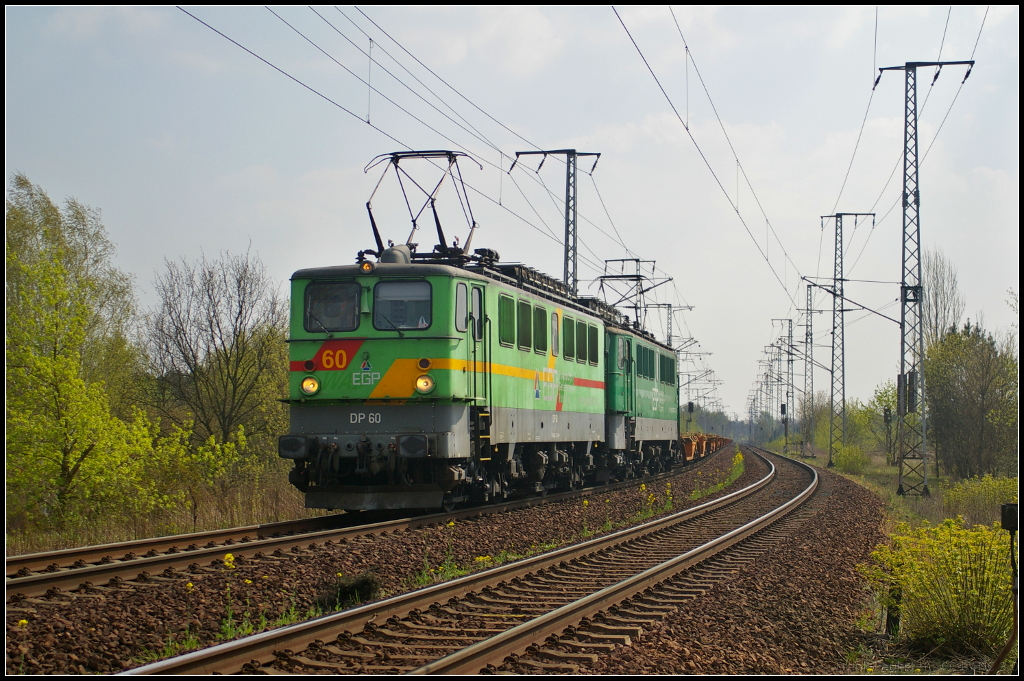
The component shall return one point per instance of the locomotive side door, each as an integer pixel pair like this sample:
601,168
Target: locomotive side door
627,365
477,348
479,376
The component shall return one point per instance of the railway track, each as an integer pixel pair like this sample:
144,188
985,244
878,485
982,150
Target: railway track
33,575
546,613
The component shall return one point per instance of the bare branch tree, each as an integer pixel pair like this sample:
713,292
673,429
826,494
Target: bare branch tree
216,339
943,303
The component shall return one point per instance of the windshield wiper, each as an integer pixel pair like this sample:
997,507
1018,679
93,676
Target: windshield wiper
400,334
310,313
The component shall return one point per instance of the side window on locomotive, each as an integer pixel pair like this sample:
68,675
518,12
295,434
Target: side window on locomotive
525,321
506,320
401,305
592,344
623,352
581,340
667,370
461,307
332,306
568,333
540,330
478,312
554,334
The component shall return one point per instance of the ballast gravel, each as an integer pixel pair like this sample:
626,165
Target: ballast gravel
793,610
113,627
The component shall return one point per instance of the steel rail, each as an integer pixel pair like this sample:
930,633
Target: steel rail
96,552
229,657
493,651
69,577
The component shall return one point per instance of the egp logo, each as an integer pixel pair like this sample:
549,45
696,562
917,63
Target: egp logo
365,377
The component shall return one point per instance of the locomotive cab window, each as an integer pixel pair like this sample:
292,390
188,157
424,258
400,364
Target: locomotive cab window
399,305
461,307
478,312
332,306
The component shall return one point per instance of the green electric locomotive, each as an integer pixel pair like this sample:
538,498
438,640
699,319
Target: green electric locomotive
428,380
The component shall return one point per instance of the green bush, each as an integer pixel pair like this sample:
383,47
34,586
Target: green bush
951,585
978,500
850,459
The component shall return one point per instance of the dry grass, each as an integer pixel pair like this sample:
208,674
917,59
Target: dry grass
272,501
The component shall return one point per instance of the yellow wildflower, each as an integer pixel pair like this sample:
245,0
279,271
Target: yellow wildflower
189,586
586,503
22,623
229,561
451,523
338,574
247,581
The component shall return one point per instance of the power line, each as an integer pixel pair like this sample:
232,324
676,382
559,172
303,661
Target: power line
473,133
554,197
935,137
356,116
451,87
701,152
727,139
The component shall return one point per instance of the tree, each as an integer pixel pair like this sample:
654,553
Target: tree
217,346
65,302
943,304
883,422
972,402
38,232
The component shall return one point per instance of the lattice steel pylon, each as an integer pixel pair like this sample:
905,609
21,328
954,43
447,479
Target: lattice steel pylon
911,417
808,412
571,253
837,419
789,382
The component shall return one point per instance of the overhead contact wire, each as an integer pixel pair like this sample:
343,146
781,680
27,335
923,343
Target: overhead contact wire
701,152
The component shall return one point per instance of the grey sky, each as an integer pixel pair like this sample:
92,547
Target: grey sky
190,145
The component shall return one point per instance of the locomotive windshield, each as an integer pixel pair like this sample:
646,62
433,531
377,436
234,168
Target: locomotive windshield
401,305
332,306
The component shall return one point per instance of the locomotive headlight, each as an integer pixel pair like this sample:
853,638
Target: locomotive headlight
424,384
366,267
310,385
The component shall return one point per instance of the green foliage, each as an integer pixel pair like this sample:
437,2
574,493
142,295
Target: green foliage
88,459
850,459
708,487
953,586
978,500
69,456
972,394
883,429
